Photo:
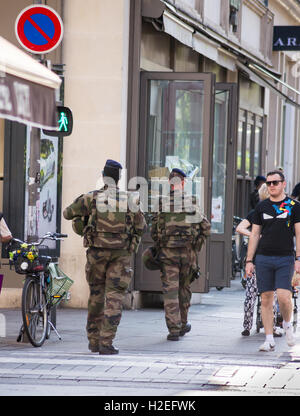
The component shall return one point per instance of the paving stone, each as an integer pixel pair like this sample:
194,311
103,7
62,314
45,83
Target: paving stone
170,372
134,372
293,383
28,366
241,377
10,365
280,379
188,374
81,368
46,366
223,375
117,369
100,369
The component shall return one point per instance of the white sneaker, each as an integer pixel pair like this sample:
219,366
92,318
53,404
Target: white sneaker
289,336
267,346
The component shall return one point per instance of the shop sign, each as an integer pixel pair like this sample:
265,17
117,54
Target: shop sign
286,38
27,102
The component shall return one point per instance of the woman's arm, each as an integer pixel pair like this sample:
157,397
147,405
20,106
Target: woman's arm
242,228
5,234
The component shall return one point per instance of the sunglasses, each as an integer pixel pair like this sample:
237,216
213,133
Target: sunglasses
275,183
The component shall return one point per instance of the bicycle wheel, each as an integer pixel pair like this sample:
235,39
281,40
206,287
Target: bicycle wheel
34,312
295,318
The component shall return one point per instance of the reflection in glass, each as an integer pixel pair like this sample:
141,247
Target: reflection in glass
257,147
239,148
219,162
175,128
248,150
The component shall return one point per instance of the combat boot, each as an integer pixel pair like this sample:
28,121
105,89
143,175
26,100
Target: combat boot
108,350
173,337
93,346
185,328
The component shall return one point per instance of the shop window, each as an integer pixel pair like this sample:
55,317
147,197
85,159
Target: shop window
239,153
248,158
282,155
219,162
234,14
248,150
257,147
175,128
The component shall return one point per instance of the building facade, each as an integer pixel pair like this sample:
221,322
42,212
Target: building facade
176,83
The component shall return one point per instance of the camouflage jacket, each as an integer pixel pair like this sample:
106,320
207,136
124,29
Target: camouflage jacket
109,222
179,222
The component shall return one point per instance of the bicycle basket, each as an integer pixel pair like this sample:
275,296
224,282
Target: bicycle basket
59,285
24,259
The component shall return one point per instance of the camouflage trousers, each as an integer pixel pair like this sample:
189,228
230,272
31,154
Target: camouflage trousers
108,274
176,285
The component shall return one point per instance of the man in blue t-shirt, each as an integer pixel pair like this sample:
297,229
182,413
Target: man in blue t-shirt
276,221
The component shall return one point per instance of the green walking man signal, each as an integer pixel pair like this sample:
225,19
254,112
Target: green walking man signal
64,121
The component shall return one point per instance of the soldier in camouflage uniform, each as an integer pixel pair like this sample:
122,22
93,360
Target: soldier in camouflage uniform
111,233
178,234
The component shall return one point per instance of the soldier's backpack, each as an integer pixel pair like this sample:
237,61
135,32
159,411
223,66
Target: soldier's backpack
110,224
175,229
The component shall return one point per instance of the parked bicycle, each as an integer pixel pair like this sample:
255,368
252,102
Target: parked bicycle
45,286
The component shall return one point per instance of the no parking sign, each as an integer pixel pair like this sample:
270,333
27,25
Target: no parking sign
39,29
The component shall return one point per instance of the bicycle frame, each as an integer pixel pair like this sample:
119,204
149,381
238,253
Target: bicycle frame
36,307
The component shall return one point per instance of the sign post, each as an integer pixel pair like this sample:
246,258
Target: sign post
39,30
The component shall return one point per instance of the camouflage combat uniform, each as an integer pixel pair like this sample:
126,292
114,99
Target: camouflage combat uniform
112,233
178,235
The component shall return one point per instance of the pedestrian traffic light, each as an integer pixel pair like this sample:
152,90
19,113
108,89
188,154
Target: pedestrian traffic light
64,121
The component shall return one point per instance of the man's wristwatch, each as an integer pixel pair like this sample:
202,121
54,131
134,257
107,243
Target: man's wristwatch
251,261
297,258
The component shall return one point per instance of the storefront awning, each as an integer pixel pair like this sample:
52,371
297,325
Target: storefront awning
259,75
205,40
27,88
208,43
196,40
178,29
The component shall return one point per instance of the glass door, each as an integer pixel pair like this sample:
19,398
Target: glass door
223,175
176,129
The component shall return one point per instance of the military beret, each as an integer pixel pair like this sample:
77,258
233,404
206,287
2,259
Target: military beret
112,164
176,170
259,179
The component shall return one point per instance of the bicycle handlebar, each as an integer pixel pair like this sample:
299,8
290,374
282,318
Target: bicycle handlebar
61,235
47,236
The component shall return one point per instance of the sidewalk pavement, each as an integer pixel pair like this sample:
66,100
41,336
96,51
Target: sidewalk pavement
212,359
